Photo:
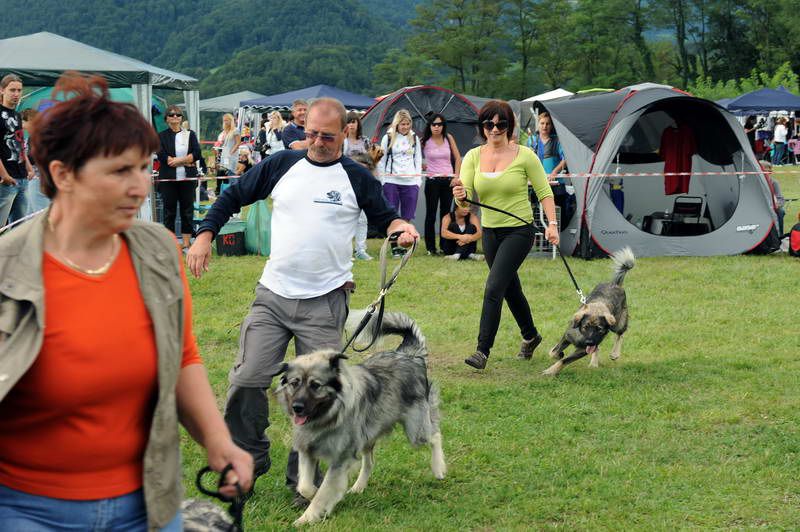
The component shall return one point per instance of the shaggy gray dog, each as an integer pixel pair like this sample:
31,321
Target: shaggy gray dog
606,309
340,410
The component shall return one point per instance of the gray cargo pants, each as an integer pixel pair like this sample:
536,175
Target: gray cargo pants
315,323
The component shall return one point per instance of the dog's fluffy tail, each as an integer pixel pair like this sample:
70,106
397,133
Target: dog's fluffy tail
623,261
393,323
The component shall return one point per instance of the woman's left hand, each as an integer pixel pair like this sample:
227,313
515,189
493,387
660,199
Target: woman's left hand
224,452
551,234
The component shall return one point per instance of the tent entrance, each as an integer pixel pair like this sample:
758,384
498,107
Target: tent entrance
642,201
671,136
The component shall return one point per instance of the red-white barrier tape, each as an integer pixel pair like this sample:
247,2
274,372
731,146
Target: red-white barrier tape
619,174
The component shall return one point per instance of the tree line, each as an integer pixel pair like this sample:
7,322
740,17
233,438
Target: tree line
516,48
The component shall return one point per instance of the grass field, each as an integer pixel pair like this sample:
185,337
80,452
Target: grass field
696,426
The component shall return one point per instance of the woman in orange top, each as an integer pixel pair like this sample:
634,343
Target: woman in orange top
93,375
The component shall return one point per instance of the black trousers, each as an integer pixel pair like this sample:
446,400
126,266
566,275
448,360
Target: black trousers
505,249
438,195
178,196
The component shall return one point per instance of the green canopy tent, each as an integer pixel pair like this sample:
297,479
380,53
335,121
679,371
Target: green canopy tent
41,98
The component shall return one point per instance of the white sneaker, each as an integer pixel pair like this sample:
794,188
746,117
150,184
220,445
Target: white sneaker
475,256
363,255
454,256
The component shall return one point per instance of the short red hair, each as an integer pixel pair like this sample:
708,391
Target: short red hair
87,125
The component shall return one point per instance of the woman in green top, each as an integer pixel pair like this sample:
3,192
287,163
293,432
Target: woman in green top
499,172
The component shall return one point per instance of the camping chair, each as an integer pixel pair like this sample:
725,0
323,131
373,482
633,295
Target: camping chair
540,243
688,207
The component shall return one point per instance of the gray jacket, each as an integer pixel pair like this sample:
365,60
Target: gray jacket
157,266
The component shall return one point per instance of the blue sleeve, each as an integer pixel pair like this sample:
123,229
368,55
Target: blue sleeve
255,184
291,134
369,194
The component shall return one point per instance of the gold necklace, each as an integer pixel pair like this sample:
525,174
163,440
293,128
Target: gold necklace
97,271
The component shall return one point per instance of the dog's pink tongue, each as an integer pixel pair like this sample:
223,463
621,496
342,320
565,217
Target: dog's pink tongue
591,349
300,420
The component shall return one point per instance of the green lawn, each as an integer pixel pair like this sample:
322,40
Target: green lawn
696,426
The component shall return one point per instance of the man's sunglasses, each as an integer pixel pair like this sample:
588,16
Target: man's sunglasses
174,114
325,137
501,125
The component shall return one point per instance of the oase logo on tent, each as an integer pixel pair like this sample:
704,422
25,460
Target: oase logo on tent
747,228
617,232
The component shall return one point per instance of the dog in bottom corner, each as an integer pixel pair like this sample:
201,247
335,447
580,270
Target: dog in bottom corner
339,410
605,310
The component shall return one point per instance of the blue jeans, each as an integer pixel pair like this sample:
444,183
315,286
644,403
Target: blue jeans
36,200
23,512
13,202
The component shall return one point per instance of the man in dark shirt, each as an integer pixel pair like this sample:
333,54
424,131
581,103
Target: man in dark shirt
294,135
317,196
14,166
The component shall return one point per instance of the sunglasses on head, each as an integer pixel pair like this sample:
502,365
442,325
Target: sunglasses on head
325,137
501,125
174,114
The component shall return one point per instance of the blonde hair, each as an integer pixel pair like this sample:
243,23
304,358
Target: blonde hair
281,122
399,116
232,129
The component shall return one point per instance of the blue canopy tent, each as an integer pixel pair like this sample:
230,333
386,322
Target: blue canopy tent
764,100
284,100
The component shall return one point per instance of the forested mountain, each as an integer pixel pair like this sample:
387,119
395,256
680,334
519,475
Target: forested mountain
500,48
260,45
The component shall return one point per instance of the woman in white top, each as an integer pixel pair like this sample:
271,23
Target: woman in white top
779,140
401,165
274,140
230,140
177,156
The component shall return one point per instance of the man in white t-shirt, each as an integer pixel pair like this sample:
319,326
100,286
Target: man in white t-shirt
303,293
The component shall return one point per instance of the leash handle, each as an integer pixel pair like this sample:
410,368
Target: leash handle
379,302
236,508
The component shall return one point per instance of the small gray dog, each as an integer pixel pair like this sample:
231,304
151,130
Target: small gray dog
341,410
606,309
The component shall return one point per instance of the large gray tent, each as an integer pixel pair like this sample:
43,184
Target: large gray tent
623,132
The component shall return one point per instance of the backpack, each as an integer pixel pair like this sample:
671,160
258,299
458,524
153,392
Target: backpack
794,241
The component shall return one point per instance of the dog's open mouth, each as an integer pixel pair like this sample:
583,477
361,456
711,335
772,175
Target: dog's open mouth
299,420
591,349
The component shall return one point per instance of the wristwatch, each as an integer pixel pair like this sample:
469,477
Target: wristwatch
553,222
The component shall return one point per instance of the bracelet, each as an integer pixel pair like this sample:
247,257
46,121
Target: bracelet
553,222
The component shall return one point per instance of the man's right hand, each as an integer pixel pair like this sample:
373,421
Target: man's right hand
8,180
199,254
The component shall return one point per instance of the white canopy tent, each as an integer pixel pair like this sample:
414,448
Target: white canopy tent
41,58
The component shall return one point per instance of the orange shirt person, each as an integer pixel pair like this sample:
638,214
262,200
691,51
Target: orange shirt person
98,361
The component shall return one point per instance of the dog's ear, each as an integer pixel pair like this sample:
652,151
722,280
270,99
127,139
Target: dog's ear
336,359
580,314
282,369
610,319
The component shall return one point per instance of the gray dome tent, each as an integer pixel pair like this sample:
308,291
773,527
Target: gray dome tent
624,132
420,101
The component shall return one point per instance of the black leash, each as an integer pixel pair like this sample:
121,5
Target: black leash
236,509
379,302
534,227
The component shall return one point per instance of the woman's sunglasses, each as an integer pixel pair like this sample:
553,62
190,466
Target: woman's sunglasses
501,125
172,115
437,124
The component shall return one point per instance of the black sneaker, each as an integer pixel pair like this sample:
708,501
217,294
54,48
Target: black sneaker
398,252
477,360
527,347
